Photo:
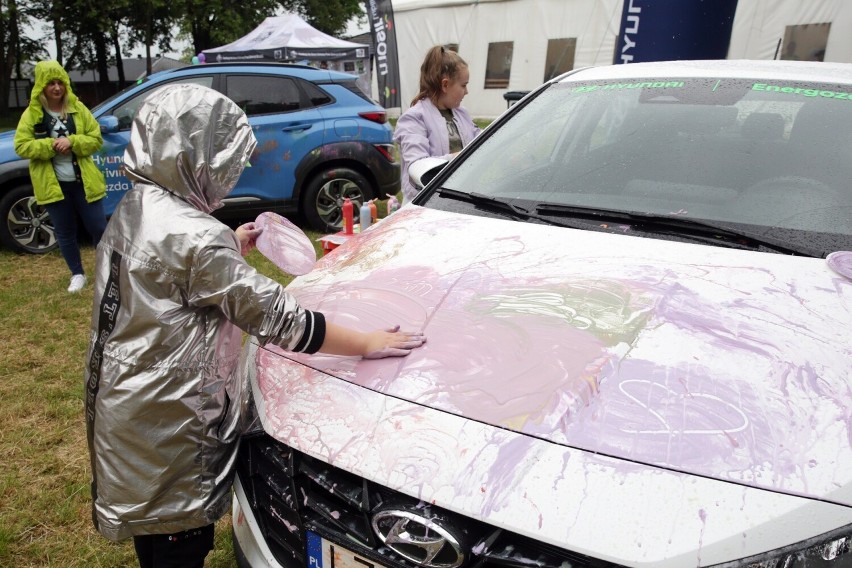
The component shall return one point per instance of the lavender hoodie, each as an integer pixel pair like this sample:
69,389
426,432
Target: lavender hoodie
421,132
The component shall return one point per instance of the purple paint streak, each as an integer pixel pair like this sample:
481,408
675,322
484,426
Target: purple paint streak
841,262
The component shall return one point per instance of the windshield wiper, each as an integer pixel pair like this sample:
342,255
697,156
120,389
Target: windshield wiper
485,200
702,229
653,223
505,208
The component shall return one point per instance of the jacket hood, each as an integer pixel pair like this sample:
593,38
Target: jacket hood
192,141
45,72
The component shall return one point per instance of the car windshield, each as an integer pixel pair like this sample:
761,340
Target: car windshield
765,158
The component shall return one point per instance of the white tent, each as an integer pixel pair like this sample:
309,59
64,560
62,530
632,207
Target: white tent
760,25
474,26
512,45
289,38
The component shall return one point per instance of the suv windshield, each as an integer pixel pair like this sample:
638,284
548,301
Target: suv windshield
768,158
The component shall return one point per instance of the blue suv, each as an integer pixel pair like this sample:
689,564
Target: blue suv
320,140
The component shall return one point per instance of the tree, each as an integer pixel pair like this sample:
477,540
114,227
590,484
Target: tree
210,23
328,16
14,47
150,22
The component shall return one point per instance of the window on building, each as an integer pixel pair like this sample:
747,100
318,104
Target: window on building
498,66
560,57
805,42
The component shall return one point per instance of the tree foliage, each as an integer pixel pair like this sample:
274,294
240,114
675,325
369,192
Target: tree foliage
210,23
327,16
94,34
15,46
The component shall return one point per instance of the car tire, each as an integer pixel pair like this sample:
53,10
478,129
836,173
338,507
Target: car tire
26,227
324,195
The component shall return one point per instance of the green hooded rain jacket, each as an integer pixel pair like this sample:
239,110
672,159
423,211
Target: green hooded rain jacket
86,142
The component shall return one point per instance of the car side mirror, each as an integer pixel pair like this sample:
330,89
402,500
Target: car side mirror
423,171
108,123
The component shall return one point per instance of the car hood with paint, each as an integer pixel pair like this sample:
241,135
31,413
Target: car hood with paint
702,392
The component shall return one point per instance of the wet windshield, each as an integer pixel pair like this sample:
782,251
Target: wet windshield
772,157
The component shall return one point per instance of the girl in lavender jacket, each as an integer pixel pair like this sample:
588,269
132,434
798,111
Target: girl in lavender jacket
435,125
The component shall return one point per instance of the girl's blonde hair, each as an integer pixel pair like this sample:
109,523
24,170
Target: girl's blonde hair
439,63
64,112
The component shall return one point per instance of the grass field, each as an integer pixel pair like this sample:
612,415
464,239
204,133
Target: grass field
45,507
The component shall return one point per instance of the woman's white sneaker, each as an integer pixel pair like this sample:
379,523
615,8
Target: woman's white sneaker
78,281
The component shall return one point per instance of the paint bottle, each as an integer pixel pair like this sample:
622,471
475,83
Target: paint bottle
393,204
348,215
374,211
366,217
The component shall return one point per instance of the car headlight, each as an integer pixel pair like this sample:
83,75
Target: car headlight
831,550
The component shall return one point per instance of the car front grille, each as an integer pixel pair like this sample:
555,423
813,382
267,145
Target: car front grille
291,493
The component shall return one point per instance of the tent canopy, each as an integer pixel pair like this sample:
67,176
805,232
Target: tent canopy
287,38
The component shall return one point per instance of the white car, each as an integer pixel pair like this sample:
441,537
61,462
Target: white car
636,287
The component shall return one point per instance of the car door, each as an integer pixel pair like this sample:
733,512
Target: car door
287,128
110,158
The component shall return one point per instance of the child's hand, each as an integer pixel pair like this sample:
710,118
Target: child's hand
247,233
392,343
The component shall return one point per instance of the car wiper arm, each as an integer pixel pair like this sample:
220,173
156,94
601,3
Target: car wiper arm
484,200
507,208
653,222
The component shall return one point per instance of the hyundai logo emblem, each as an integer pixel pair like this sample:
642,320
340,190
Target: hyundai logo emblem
417,538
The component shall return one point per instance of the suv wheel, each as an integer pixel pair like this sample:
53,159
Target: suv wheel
324,195
25,226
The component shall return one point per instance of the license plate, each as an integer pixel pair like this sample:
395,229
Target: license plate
326,554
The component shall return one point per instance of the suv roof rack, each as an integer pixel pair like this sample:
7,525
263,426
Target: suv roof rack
253,64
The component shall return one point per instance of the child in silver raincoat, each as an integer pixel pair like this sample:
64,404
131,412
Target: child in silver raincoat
172,297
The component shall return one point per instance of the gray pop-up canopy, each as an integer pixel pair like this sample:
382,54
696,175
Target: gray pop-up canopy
289,38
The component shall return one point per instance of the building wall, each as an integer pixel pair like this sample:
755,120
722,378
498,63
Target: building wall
760,24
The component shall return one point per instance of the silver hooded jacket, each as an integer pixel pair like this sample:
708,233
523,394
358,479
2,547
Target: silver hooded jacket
172,294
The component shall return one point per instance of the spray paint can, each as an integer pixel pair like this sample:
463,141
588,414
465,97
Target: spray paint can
393,204
374,211
348,217
366,216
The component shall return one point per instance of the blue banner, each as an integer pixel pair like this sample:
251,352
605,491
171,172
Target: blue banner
662,30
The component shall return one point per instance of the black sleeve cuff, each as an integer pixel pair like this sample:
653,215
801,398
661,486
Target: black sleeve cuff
314,334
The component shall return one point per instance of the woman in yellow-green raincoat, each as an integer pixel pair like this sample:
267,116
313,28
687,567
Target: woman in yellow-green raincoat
59,135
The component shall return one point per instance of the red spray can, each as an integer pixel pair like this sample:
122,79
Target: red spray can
347,217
